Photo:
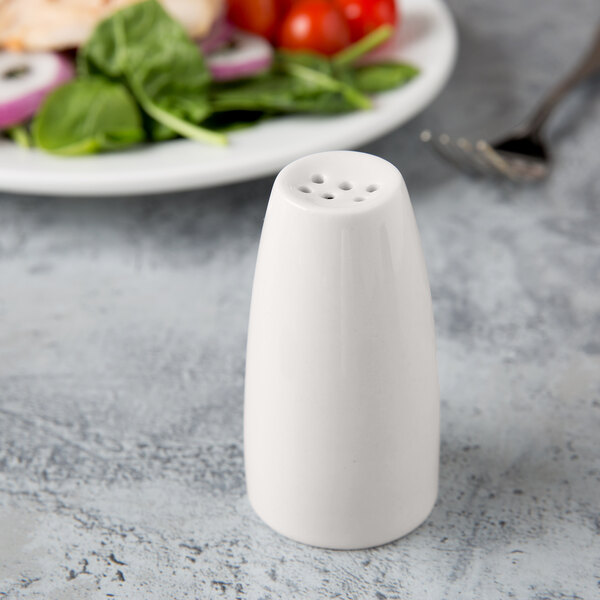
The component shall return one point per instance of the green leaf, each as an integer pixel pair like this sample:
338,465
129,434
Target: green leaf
145,48
278,94
85,116
318,72
330,84
363,46
20,135
380,77
311,60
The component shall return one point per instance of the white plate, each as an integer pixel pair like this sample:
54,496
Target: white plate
428,41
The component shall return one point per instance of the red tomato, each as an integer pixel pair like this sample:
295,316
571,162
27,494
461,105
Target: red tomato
364,16
257,16
316,25
283,6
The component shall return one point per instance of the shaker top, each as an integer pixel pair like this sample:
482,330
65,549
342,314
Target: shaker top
343,182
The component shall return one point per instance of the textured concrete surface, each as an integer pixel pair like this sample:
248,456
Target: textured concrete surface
122,332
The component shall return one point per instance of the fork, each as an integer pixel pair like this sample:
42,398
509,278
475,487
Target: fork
522,155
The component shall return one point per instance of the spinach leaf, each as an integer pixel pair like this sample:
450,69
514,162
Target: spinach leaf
278,94
319,72
142,46
380,77
358,49
85,116
310,60
20,135
304,82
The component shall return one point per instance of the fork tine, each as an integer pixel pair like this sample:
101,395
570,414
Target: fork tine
502,167
482,167
445,149
484,159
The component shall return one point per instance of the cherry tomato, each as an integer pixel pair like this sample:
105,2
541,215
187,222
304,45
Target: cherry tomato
364,16
258,16
283,7
316,25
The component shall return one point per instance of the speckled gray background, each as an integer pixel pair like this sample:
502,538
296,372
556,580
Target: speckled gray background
122,332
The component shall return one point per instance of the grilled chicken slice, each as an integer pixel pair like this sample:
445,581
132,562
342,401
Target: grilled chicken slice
62,24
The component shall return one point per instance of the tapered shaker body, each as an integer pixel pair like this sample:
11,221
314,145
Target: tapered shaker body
341,413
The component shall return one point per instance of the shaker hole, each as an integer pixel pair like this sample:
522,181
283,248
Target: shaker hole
318,178
359,199
345,185
304,189
372,188
328,196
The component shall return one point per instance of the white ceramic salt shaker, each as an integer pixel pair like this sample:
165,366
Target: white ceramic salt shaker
341,416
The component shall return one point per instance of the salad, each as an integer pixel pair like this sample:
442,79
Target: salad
141,76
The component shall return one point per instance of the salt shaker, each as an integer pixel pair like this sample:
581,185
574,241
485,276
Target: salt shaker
341,412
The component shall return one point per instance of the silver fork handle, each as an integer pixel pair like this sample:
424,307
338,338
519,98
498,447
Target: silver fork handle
588,66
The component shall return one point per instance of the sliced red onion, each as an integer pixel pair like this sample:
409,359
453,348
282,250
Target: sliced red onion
247,55
25,80
219,36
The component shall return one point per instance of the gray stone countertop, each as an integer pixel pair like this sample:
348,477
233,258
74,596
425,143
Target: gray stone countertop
122,333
